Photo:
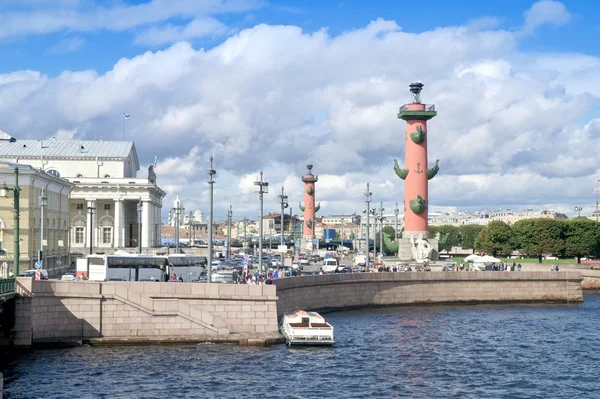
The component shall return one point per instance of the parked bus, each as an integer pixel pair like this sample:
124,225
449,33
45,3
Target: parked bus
187,267
127,268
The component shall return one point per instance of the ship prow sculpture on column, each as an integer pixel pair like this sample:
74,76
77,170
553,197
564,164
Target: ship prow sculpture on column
415,244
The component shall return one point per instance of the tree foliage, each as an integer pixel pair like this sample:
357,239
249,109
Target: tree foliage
468,235
582,238
576,237
495,239
537,237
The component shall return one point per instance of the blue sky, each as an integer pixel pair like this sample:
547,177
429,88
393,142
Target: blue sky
275,85
100,48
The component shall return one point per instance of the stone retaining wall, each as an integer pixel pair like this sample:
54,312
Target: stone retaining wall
63,311
367,289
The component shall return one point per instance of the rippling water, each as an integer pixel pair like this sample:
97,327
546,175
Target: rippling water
480,351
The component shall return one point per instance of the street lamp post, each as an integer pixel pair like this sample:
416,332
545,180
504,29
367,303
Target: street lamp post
16,192
176,213
211,172
381,218
578,210
396,213
43,203
368,197
229,215
263,187
91,210
140,207
283,200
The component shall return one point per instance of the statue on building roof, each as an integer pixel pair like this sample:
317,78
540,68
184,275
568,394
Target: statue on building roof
151,174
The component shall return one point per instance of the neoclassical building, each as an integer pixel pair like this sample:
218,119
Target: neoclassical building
33,185
106,192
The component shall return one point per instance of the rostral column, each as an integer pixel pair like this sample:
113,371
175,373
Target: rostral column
415,172
309,208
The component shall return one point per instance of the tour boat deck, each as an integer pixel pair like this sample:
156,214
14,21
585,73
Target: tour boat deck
306,328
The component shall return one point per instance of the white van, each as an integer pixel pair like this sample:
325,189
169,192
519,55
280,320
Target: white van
329,265
360,260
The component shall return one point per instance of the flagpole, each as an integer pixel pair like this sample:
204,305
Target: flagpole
597,198
123,132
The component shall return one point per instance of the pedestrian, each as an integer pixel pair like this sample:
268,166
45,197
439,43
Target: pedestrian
519,268
11,274
175,277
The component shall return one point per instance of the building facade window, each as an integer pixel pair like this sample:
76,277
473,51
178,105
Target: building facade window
79,207
78,235
107,207
53,172
106,235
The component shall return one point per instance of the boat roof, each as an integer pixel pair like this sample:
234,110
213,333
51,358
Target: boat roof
303,313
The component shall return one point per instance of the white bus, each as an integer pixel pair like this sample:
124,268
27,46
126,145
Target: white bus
188,268
127,268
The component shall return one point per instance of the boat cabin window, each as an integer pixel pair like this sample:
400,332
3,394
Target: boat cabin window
305,320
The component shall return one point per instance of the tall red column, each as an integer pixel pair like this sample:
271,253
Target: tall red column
415,172
310,208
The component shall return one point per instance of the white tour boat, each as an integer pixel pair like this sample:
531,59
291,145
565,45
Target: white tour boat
306,328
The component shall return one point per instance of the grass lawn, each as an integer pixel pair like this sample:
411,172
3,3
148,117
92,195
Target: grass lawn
527,260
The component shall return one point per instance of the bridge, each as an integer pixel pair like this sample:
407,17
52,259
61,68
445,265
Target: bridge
8,288
7,306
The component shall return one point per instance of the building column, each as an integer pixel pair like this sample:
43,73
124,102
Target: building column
146,224
117,237
158,226
89,224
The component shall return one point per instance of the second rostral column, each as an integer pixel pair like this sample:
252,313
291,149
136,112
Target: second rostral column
309,209
416,175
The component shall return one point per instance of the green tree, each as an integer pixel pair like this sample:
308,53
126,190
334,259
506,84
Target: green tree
537,237
495,239
448,236
468,235
581,238
390,233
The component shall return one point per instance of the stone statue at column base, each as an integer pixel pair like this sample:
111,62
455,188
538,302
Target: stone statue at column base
421,250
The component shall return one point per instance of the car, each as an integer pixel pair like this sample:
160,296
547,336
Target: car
31,273
223,277
68,277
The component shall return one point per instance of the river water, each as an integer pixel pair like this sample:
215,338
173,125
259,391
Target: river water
475,351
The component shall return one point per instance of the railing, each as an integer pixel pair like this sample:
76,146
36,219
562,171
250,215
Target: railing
428,108
8,285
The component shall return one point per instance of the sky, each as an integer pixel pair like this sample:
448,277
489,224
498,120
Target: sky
275,85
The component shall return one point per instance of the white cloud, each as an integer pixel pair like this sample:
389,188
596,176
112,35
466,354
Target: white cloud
199,27
513,128
545,12
67,45
88,17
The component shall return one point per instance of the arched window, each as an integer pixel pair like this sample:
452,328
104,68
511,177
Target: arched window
107,175
79,175
53,172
